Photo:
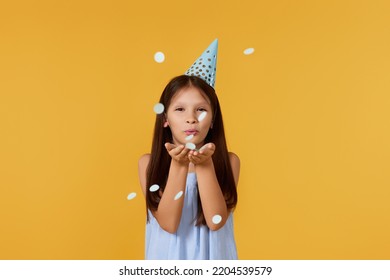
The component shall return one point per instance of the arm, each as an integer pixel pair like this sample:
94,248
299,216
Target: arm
211,196
168,213
212,199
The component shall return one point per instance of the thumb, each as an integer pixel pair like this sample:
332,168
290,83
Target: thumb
169,146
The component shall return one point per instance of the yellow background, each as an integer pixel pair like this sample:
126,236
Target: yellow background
307,113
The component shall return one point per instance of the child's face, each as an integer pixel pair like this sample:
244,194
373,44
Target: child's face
183,113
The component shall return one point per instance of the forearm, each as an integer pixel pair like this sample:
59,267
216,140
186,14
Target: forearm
169,210
211,196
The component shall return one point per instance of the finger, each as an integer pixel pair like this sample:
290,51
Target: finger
184,151
169,146
178,150
197,157
173,150
207,149
203,147
192,159
193,155
207,146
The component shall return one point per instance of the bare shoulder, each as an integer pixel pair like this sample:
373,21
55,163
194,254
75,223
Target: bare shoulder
143,163
144,159
235,163
234,157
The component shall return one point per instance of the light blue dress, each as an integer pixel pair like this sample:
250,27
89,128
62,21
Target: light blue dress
190,242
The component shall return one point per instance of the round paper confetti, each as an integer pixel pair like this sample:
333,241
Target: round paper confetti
159,57
217,219
189,137
131,196
179,194
249,51
158,108
202,116
154,188
191,146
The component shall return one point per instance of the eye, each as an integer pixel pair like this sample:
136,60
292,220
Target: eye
202,110
179,109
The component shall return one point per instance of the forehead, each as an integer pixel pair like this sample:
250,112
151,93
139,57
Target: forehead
190,95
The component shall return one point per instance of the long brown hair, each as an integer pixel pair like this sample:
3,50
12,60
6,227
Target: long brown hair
160,160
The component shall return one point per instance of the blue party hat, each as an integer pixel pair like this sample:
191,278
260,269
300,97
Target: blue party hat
205,66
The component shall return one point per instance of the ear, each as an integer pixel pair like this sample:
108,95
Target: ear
166,123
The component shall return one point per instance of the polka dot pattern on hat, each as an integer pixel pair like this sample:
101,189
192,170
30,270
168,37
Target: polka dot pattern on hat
205,66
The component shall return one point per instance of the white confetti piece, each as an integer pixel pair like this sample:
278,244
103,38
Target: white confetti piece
159,57
154,188
179,194
158,108
202,116
131,196
190,146
249,51
189,137
217,219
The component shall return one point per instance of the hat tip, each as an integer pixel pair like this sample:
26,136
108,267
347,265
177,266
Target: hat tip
205,66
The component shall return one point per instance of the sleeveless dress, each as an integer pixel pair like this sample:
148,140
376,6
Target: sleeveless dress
190,242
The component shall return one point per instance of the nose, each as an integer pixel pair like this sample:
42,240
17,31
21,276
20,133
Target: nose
191,121
191,118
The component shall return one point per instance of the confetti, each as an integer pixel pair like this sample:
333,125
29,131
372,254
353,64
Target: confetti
202,116
158,108
154,188
189,137
217,219
191,146
131,196
179,194
159,57
249,51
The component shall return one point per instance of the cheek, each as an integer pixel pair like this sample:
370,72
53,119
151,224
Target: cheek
206,122
172,120
209,118
205,128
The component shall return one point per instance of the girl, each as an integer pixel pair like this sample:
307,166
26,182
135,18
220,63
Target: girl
190,215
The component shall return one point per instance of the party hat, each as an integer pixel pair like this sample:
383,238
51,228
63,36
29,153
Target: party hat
205,66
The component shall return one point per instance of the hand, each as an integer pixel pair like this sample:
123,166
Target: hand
204,154
178,153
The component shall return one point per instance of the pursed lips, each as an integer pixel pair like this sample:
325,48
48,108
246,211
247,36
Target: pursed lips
191,131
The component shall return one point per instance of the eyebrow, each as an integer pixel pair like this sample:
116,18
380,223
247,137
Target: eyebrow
196,104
